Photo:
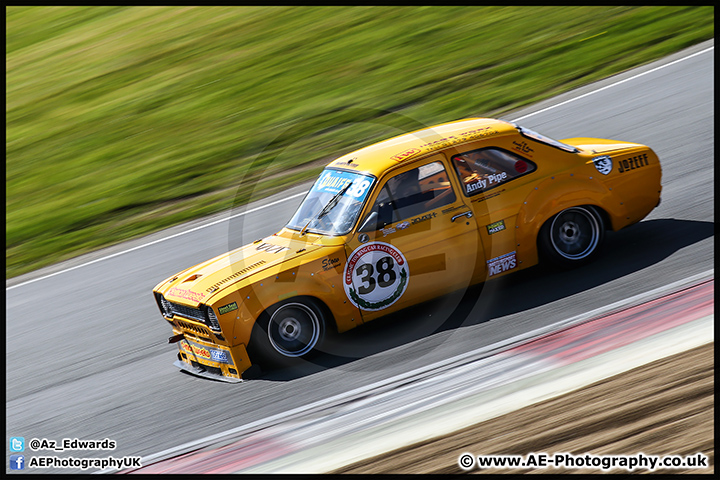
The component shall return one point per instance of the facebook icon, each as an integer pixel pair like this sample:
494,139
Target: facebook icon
17,462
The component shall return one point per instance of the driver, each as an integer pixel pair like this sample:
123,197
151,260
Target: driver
407,184
473,166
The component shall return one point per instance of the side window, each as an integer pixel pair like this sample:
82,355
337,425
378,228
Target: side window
485,168
411,193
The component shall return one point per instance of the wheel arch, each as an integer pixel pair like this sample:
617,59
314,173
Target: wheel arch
551,197
328,317
261,346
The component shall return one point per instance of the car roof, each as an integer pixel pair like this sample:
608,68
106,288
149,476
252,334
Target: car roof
379,157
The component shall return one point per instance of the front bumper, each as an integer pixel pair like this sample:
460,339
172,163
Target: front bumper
209,360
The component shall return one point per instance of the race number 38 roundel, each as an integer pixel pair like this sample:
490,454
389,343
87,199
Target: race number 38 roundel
376,275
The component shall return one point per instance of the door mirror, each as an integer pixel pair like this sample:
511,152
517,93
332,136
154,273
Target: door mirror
370,224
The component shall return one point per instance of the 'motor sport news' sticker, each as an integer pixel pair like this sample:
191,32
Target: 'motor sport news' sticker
375,276
603,164
501,264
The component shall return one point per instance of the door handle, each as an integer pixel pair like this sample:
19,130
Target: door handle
468,214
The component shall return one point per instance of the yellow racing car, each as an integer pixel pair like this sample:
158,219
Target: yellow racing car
400,222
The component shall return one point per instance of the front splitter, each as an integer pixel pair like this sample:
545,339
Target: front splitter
204,373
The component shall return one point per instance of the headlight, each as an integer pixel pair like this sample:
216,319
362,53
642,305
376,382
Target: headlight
164,305
212,319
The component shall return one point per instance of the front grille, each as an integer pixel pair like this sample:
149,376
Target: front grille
189,312
171,309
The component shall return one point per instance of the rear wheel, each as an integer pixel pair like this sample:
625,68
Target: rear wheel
290,330
572,237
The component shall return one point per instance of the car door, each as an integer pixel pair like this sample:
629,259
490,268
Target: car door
496,182
417,239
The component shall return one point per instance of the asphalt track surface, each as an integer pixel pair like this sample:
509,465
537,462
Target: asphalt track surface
87,353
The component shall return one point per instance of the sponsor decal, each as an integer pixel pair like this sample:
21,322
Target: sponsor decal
501,264
334,181
402,225
423,218
478,133
460,138
212,354
347,163
186,294
475,186
523,147
375,276
603,164
631,163
227,308
270,248
486,197
452,209
495,178
330,263
445,142
387,231
496,227
521,167
405,155
196,350
487,182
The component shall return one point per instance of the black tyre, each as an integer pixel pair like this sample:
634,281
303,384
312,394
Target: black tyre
572,237
290,330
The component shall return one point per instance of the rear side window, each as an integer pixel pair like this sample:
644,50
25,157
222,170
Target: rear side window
486,168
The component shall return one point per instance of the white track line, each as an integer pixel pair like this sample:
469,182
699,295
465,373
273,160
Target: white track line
615,84
159,240
303,193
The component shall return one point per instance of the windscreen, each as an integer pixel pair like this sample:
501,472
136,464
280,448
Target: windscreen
333,204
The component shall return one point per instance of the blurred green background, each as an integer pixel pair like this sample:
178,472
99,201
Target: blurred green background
125,120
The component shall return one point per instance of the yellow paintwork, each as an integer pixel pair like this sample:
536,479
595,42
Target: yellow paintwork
442,255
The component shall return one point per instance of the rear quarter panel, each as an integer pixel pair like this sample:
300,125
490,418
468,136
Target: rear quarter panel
635,181
627,194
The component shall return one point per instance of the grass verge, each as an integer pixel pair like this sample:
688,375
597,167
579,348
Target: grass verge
125,120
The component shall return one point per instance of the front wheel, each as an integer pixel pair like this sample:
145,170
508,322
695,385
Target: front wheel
572,237
293,329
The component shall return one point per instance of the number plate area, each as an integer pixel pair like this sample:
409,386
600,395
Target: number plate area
205,355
